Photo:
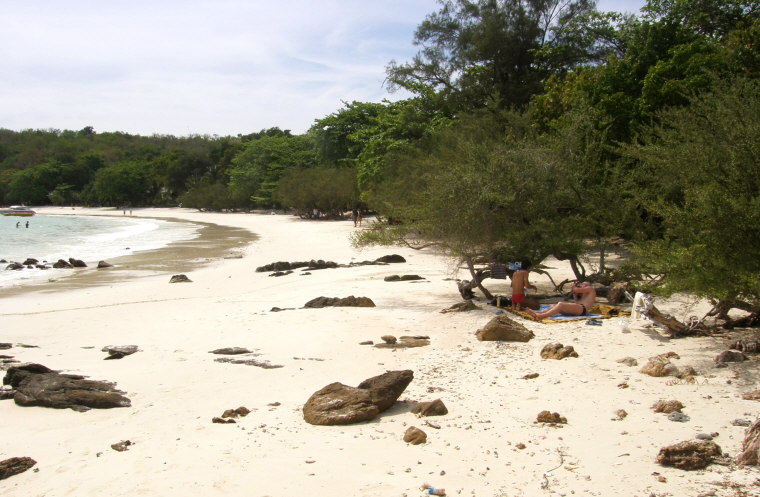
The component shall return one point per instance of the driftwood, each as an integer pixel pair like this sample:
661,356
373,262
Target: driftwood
643,305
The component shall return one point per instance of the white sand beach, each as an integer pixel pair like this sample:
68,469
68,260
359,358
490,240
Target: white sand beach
176,387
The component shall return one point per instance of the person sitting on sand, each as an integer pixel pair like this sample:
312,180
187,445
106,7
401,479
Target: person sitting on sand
519,284
584,296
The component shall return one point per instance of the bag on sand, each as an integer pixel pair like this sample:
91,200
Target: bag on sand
501,301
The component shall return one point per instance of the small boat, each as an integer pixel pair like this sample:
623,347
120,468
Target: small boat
17,210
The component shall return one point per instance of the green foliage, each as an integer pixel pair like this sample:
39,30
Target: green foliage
477,51
32,185
262,162
207,196
331,191
484,186
700,181
126,183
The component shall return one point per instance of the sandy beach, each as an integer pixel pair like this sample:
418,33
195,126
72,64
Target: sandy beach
489,443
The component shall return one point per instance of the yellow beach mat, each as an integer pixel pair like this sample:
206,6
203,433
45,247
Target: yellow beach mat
598,311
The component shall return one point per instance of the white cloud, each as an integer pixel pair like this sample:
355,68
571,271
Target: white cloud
196,66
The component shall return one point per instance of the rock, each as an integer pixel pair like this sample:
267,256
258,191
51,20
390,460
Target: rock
550,417
730,356
36,385
231,351
411,277
660,366
466,306
415,436
350,301
250,362
620,415
388,339
76,262
119,351
339,404
530,376
667,406
5,346
750,455
366,342
122,446
503,328
277,274
240,412
390,259
393,277
61,264
741,422
432,408
14,466
628,361
104,264
31,261
14,266
703,436
219,420
180,278
678,417
406,342
689,455
754,395
557,351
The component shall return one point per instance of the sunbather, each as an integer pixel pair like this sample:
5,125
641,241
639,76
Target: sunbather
584,296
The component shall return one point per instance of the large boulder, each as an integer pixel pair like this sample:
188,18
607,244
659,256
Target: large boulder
37,385
503,328
339,404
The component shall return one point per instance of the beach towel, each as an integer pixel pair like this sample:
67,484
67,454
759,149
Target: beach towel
498,271
598,311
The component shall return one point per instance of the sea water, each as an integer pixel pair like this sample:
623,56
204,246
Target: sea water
89,238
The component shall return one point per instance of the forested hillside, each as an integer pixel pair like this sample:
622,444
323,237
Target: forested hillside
535,128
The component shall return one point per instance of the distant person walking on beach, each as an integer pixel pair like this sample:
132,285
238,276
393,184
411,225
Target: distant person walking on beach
18,223
355,216
359,216
27,224
584,296
519,284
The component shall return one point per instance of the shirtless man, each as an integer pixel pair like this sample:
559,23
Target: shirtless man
519,284
584,296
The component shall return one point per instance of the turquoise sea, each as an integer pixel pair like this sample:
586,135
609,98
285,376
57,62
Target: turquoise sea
89,238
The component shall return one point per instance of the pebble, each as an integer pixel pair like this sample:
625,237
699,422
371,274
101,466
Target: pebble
741,422
678,416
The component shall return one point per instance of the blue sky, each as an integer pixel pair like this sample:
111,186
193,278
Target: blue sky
184,67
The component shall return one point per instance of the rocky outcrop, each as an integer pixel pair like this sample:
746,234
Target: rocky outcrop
750,455
406,277
557,351
14,466
104,264
689,455
37,385
660,365
350,301
180,278
61,264
14,266
504,329
77,262
339,404
231,351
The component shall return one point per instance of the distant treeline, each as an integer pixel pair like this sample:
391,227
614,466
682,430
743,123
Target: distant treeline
535,128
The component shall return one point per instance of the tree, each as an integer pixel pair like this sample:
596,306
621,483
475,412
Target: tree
331,191
125,183
32,185
484,187
699,178
260,165
477,51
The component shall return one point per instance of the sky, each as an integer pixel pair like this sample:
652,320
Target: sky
201,67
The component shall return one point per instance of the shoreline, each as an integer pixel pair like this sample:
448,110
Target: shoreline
213,242
489,444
